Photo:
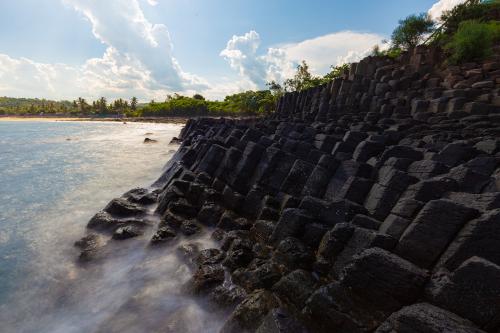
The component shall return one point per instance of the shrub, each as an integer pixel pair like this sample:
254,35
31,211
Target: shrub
472,41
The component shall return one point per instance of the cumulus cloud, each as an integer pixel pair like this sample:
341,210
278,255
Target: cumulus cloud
279,62
442,5
138,60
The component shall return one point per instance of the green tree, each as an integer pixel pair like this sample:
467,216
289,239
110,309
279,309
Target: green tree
133,103
473,41
411,31
199,97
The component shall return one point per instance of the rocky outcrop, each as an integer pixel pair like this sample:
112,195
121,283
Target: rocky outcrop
371,203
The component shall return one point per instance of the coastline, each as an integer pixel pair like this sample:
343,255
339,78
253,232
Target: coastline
170,120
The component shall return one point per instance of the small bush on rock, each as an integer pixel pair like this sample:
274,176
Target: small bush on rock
472,41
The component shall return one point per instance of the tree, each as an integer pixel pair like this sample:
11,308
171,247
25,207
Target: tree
82,104
103,105
133,103
199,97
410,31
335,72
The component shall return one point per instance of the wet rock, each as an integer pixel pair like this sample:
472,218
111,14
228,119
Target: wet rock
123,208
293,254
210,214
238,255
141,196
163,235
295,287
126,232
261,275
250,313
189,227
227,296
206,277
89,246
148,140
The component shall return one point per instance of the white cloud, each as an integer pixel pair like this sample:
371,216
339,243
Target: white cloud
279,62
138,60
442,5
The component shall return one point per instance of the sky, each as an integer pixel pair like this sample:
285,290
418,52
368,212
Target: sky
64,49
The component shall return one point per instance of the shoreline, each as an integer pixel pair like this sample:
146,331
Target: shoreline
169,120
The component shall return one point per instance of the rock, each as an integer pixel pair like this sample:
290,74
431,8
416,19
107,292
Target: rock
123,208
182,207
210,214
230,221
483,84
209,257
189,227
227,296
391,278
426,318
290,224
238,255
295,287
89,246
259,275
250,313
435,226
471,291
127,232
148,140
293,254
206,277
480,237
141,196
162,235
104,221
280,321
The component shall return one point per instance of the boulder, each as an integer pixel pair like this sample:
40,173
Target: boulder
471,291
123,208
426,318
250,313
432,230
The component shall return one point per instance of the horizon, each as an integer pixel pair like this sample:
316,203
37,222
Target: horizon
65,49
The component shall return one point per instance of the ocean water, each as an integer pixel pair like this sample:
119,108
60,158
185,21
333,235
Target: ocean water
53,177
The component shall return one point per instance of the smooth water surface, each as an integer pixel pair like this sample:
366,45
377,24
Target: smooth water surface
53,177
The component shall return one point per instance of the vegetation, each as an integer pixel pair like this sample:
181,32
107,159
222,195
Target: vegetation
411,31
472,41
248,103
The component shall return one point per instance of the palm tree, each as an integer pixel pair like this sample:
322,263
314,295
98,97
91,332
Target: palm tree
133,103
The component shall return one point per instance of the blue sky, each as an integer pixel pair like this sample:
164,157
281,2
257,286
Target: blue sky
149,48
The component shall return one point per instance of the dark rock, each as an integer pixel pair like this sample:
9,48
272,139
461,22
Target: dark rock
210,214
250,313
435,226
189,227
129,231
280,321
295,287
471,291
480,237
206,277
293,254
148,140
290,224
162,235
123,208
426,318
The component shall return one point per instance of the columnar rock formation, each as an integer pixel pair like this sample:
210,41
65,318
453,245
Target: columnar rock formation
370,204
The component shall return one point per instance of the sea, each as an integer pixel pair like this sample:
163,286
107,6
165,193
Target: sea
54,176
